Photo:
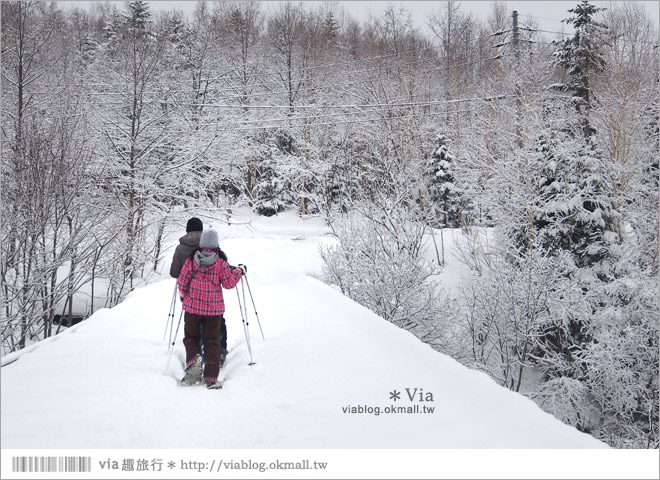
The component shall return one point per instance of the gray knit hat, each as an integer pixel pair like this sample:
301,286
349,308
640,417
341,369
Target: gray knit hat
209,239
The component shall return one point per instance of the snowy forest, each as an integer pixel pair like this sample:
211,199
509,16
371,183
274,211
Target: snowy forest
541,147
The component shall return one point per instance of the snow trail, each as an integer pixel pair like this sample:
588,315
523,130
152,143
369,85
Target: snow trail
329,374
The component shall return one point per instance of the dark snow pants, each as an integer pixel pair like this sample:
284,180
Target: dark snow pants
207,329
223,334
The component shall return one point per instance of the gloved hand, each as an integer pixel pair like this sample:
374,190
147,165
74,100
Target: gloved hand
243,268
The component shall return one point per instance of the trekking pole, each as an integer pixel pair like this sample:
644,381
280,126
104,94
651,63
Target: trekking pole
255,307
246,325
170,316
177,327
171,347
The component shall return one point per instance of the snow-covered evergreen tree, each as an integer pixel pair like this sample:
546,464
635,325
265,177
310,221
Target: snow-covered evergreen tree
443,189
574,205
137,18
275,156
574,209
574,215
269,189
580,56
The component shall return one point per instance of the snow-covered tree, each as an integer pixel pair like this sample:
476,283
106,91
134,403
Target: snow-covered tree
443,189
379,261
515,301
621,366
134,133
241,23
274,157
574,207
46,172
580,56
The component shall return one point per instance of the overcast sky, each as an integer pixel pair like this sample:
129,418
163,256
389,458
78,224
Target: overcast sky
553,11
548,14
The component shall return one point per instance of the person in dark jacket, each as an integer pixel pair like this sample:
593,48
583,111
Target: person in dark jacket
203,277
187,245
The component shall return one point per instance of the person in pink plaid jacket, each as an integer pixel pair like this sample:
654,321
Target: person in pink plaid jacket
203,276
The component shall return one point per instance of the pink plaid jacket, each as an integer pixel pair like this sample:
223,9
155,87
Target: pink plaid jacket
201,288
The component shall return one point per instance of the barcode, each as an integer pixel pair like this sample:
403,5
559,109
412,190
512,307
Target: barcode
51,464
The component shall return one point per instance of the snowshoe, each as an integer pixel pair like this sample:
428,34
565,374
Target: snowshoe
194,372
214,385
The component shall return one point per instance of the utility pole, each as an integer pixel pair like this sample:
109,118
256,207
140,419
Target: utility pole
516,35
516,50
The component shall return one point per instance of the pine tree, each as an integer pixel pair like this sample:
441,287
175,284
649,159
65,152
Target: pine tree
269,189
138,18
580,56
111,31
271,193
574,214
178,35
574,211
331,28
131,26
444,192
88,49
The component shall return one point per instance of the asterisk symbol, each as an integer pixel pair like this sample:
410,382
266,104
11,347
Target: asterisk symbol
394,395
171,465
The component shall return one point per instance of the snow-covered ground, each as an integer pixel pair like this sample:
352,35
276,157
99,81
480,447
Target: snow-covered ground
328,375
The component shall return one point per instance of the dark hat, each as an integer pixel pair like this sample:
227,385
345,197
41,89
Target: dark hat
194,225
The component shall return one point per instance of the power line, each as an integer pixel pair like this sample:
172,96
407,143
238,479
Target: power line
347,62
257,124
544,18
303,69
364,105
218,92
317,124
322,66
558,33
